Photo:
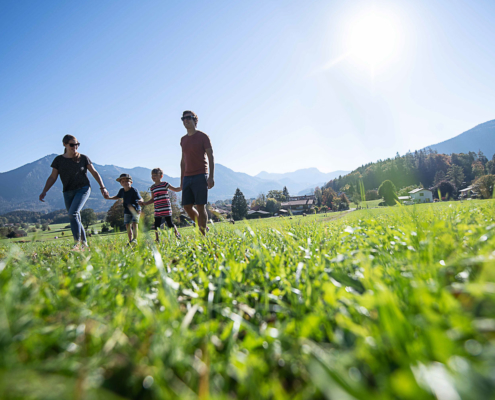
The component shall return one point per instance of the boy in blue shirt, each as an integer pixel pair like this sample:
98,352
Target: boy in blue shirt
132,209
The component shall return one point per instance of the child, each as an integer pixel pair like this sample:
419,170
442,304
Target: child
132,207
161,200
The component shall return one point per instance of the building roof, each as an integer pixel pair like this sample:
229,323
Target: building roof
419,190
298,203
467,189
251,212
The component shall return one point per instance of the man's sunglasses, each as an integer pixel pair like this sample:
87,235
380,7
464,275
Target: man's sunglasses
74,144
187,117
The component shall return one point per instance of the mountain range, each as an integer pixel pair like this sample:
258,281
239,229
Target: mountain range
481,137
20,188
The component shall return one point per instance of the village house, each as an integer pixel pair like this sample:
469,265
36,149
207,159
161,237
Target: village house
421,195
257,214
299,204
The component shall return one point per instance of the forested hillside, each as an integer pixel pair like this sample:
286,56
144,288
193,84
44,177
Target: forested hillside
423,168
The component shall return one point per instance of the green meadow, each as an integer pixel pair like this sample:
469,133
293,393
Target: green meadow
383,303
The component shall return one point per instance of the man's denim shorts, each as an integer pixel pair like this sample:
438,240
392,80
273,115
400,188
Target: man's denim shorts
195,189
128,218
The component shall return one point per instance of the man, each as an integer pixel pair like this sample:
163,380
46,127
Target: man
196,147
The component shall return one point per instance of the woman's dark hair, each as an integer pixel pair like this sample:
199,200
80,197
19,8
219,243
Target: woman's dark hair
196,119
66,140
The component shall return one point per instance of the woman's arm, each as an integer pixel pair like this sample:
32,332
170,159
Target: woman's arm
49,183
98,179
175,189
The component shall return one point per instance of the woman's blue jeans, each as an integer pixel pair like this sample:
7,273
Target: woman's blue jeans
74,202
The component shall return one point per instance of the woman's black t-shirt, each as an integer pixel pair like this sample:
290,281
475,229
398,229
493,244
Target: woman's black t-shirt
72,174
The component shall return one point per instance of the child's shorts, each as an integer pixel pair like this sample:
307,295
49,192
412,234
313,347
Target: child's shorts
128,218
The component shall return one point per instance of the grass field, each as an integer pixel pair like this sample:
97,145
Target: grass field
386,303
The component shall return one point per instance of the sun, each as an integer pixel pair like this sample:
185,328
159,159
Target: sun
372,38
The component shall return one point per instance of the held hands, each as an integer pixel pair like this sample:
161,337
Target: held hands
104,193
211,182
141,202
42,196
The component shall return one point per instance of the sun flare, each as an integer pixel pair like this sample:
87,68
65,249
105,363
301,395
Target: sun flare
372,38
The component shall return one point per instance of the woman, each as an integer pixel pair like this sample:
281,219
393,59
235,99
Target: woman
72,167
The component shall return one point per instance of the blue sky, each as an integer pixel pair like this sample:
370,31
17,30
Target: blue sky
272,81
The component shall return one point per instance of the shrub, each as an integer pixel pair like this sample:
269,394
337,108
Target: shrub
485,185
447,190
388,191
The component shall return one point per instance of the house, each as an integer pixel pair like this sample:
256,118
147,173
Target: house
421,195
468,192
406,200
299,204
257,214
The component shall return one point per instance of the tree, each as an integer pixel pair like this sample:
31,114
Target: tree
277,195
485,185
371,195
327,197
344,202
317,194
478,169
490,166
88,217
260,200
446,189
16,234
239,205
285,192
356,198
272,205
4,231
455,175
44,227
440,176
388,191
115,215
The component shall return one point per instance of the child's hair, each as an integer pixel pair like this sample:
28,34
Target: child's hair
157,171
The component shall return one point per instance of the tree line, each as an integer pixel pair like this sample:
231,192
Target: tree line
425,168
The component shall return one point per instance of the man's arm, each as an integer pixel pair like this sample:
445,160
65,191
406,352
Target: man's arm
182,170
211,164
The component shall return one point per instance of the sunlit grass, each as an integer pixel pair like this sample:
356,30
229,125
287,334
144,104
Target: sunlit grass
380,303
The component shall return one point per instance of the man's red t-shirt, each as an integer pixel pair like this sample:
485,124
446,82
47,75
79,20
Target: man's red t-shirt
194,153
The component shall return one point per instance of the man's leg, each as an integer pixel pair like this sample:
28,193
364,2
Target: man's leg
203,217
191,211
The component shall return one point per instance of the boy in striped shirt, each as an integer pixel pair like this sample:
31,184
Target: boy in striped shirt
161,199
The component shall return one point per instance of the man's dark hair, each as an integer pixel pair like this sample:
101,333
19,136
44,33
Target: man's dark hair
196,119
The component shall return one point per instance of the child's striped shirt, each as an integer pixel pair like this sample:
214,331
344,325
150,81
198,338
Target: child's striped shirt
161,199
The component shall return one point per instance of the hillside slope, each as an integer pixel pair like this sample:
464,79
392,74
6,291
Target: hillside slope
481,137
